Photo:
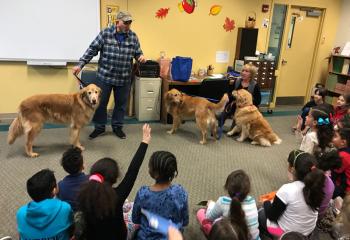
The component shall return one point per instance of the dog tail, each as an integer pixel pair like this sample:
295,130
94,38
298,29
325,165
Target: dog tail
219,107
15,130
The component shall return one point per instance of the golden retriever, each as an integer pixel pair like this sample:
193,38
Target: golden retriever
250,122
75,109
180,105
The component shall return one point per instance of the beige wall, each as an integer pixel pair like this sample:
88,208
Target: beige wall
197,35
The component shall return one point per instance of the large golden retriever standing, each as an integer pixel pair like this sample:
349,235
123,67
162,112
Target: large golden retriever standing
250,122
180,105
75,109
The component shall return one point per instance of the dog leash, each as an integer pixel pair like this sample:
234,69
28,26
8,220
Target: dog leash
82,84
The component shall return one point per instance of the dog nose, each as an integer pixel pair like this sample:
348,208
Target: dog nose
94,101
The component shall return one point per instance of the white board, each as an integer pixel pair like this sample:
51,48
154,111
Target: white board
56,30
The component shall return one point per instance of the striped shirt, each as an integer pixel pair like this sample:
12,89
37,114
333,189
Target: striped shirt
115,63
222,208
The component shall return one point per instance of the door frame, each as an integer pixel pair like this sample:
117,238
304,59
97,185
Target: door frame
286,27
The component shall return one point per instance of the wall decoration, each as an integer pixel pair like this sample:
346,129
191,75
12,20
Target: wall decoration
111,13
229,24
180,7
215,10
162,13
188,5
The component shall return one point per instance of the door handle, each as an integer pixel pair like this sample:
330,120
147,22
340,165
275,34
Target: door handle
284,62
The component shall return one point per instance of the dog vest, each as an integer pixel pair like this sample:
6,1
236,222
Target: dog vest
251,85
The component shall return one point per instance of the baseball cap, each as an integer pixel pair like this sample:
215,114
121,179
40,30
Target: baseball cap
124,16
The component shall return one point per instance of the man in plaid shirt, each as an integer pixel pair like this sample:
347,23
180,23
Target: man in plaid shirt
118,45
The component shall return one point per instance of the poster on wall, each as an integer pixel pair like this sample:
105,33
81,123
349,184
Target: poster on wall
111,13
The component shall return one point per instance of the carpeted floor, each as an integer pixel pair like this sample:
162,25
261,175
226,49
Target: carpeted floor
202,169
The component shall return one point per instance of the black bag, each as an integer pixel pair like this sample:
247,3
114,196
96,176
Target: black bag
149,69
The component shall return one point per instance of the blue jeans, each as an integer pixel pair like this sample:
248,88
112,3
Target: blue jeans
121,94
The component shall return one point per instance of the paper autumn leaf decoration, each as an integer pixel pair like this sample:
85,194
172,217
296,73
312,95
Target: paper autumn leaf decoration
215,10
229,24
162,12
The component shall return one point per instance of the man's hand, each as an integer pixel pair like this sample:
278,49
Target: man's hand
76,70
146,136
142,59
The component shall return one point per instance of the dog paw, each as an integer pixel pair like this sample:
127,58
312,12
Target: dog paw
170,132
230,133
202,142
33,155
254,143
239,139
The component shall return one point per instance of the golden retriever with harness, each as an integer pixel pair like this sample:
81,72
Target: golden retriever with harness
75,109
180,105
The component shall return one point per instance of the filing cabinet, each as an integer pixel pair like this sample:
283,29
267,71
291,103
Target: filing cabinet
266,73
147,98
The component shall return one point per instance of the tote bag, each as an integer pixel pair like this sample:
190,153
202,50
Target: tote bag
181,68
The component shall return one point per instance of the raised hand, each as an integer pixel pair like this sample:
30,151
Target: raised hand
146,133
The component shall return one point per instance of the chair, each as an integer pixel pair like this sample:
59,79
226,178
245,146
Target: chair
214,88
88,76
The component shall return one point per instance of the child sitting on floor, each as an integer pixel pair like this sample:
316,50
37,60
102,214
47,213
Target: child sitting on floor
225,229
320,134
162,198
295,206
341,141
239,207
341,109
72,162
45,217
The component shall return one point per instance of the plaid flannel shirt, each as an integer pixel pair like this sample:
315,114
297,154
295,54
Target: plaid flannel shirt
115,63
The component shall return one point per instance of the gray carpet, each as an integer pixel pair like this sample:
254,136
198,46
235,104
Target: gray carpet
202,169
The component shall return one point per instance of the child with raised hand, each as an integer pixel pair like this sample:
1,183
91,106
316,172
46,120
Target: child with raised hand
295,206
101,205
239,207
319,136
73,163
162,198
45,217
341,141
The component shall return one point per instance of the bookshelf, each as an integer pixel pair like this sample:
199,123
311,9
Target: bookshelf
338,80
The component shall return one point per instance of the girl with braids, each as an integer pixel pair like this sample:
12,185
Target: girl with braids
239,208
100,204
320,134
162,198
295,206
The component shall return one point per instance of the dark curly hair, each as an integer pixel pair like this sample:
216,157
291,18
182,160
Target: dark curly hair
163,166
72,160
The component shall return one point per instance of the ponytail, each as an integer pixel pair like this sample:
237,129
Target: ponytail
238,186
237,217
97,199
313,190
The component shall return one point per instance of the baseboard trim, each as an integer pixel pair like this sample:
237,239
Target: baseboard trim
298,100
